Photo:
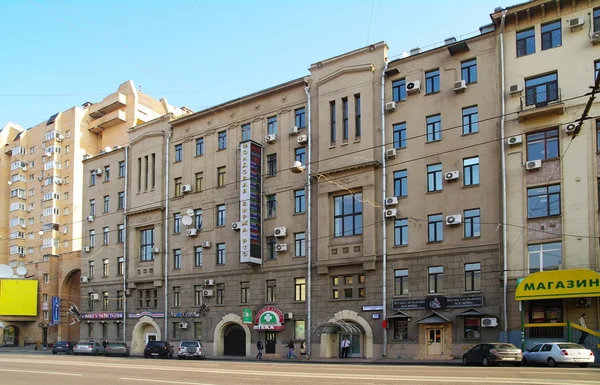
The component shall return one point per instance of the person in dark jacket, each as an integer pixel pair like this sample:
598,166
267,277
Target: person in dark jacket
290,347
260,345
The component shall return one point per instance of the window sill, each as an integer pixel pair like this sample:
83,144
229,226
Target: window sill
177,197
269,218
470,238
270,259
270,176
219,226
473,292
198,267
434,242
344,144
302,213
469,133
298,301
346,299
471,185
401,296
221,149
545,217
435,192
198,156
433,141
400,246
432,93
357,140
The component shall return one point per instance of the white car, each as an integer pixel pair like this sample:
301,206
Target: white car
191,349
554,353
88,347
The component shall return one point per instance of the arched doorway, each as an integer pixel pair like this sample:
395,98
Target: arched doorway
70,295
11,335
242,339
234,338
346,324
144,330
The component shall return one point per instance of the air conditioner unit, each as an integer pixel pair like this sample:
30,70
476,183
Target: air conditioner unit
58,181
84,279
86,249
489,322
295,130
272,138
40,178
236,226
570,128
183,325
390,106
390,153
23,226
576,22
209,282
191,232
533,164
156,250
127,292
391,213
453,219
514,140
288,315
460,85
24,168
23,197
584,302
595,38
65,231
98,171
515,89
95,297
302,139
281,247
59,137
452,175
207,293
391,201
90,218
413,87
280,232
206,244
186,188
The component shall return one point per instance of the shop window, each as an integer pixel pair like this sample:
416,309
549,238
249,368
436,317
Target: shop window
401,329
472,328
547,311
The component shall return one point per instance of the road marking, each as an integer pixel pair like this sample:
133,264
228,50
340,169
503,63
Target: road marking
40,372
163,381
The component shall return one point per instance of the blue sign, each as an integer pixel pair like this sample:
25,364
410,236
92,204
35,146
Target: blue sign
55,310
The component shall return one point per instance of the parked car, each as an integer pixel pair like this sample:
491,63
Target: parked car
492,353
554,353
63,347
158,349
191,349
88,347
116,349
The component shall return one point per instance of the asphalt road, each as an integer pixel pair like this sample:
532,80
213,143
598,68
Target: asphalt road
69,370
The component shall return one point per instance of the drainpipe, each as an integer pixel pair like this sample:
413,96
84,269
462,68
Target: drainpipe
503,153
309,218
166,234
384,193
125,261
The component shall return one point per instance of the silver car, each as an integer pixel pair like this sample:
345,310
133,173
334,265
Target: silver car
88,347
191,349
554,353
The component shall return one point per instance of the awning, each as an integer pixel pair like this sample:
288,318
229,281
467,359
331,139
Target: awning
470,312
399,314
433,318
573,283
340,326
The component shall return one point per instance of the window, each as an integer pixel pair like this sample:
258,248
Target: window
121,169
598,135
272,165
299,201
272,125
106,207
436,279
432,81
401,232
178,152
220,293
471,171
472,226
198,330
332,128
90,269
104,307
399,90
105,236
221,171
545,256
300,245
401,282
106,173
121,233
93,178
176,223
176,296
199,179
198,219
300,117
470,119
543,201
473,276
178,184
271,252
401,183
551,35
197,295
348,215
357,115
246,132
596,19
271,206
105,267
300,155
271,290
525,42
345,123
177,259
468,70
67,163
349,285
121,203
198,251
120,266
146,245
300,289
434,128
221,215
119,306
220,253
543,145
541,90
434,177
400,328
222,140
92,237
472,328
435,229
399,135
199,146
244,290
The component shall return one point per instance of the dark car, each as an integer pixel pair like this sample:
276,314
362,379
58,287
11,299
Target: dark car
158,349
116,349
492,353
63,347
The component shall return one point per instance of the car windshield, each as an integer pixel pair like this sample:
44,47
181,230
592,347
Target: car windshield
86,344
570,346
505,346
185,344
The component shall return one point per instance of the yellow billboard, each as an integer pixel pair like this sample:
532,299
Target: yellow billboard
571,283
18,297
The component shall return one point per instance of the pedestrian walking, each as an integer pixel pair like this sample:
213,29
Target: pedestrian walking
345,347
583,334
38,344
303,351
290,347
260,345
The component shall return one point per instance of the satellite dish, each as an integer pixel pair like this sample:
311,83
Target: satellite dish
21,270
9,182
40,232
6,271
187,220
190,212
108,149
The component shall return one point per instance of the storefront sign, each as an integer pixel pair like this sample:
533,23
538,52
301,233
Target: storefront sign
102,316
247,315
55,310
185,314
146,314
269,318
572,283
372,308
438,302
250,203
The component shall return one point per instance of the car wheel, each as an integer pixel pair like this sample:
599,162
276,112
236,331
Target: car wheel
69,352
465,362
180,357
524,361
583,365
486,362
517,364
146,356
53,352
551,362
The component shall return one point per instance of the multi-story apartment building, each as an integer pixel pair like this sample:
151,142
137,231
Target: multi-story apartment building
550,58
44,180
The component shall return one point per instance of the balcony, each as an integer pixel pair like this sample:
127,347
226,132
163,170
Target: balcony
108,120
547,102
108,104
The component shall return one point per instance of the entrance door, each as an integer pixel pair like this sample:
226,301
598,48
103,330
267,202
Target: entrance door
235,341
354,345
150,337
271,342
435,342
11,335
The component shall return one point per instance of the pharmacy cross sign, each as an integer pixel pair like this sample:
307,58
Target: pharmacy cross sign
269,318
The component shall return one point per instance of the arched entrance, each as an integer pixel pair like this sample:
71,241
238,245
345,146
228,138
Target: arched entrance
349,324
232,337
234,340
144,330
70,294
11,335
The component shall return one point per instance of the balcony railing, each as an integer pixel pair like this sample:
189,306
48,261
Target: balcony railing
541,103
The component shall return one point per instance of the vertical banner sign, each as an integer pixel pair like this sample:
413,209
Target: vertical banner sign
250,202
55,310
